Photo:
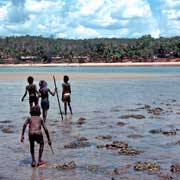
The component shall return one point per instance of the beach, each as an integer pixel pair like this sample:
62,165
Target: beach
93,64
121,116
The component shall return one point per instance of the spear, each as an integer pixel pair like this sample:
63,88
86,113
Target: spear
57,95
51,149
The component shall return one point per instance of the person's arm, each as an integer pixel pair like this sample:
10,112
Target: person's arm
24,94
69,88
62,97
52,93
37,92
46,131
23,129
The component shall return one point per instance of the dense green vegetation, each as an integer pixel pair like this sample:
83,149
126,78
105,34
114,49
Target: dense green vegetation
40,49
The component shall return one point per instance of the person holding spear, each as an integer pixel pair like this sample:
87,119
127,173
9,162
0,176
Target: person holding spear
44,92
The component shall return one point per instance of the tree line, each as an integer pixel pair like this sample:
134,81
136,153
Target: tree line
46,50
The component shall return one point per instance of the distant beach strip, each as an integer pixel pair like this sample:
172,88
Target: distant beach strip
93,64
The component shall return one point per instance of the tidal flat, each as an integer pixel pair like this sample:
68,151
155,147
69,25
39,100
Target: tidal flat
123,127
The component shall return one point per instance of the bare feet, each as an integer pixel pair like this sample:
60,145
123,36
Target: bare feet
40,163
33,164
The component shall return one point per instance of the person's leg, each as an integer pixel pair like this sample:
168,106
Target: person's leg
30,105
33,164
65,107
36,101
70,109
41,147
44,114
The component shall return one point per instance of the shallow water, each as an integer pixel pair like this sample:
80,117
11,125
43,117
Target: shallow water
125,69
102,103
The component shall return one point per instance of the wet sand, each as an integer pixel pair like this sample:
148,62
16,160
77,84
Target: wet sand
48,76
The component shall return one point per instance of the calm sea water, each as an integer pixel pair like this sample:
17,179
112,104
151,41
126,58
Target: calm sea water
102,103
151,70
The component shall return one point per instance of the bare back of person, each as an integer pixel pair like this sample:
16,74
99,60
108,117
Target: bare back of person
66,88
31,88
35,123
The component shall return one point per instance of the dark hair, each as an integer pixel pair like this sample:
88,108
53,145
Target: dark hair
35,111
30,79
66,79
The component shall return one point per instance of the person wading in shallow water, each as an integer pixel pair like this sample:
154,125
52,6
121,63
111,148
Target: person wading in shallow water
35,123
32,89
44,94
66,94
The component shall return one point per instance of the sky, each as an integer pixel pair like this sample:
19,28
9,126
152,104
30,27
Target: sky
83,19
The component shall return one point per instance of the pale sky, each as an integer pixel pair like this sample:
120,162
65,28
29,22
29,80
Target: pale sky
79,19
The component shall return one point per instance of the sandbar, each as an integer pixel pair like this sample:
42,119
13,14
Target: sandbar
59,76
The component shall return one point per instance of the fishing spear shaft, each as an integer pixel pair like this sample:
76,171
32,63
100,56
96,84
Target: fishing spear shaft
57,95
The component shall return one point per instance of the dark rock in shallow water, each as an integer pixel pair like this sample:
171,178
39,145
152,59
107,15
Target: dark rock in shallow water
147,166
82,139
121,170
95,169
169,133
155,131
121,124
175,168
135,116
129,151
101,146
7,130
164,132
117,145
69,165
81,120
105,137
155,111
121,147
177,142
65,166
79,143
115,110
133,128
133,110
97,111
135,136
146,106
6,121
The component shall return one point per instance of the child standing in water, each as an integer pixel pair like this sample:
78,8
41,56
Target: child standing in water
32,90
66,94
35,122
44,94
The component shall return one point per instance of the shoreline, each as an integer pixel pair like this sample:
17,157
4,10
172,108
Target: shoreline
138,64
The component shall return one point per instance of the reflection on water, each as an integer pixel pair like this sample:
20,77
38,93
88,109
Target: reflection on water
102,104
37,173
